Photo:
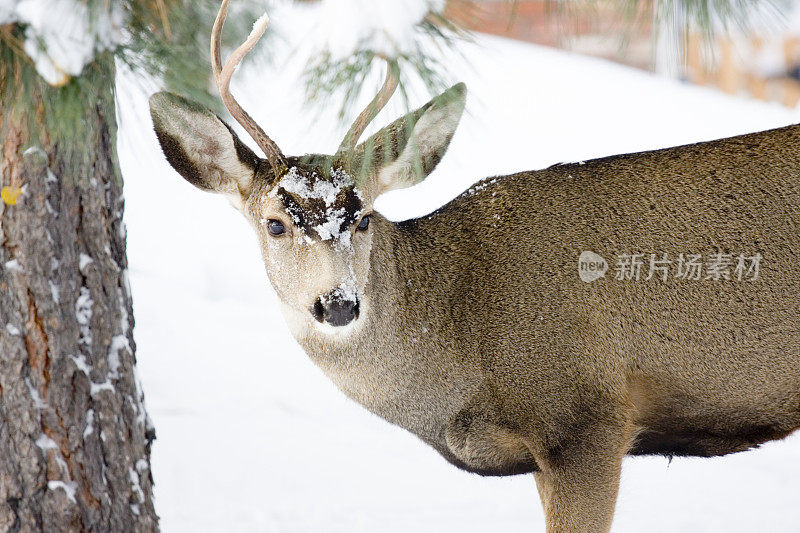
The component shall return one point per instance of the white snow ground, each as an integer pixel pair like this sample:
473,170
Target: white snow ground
252,437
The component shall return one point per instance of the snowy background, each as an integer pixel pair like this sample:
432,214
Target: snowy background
252,437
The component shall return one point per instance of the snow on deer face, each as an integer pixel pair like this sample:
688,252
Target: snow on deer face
313,227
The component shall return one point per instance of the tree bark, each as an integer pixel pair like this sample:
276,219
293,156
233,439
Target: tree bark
74,435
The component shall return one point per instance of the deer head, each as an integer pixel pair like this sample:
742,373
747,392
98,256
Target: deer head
311,213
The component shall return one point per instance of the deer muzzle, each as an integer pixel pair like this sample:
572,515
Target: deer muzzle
337,308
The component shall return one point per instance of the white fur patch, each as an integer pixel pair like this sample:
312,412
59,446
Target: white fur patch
337,332
236,200
299,322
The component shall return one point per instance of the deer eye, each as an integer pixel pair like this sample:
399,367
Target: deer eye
275,228
364,223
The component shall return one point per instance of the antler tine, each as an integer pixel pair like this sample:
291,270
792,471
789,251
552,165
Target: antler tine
223,75
373,108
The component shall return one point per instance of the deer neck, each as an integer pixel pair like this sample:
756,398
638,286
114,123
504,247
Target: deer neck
392,360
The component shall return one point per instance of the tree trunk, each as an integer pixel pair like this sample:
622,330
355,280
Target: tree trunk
74,435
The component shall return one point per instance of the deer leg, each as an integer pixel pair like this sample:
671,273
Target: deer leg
578,486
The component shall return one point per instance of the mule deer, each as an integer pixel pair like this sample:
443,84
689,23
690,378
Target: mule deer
478,329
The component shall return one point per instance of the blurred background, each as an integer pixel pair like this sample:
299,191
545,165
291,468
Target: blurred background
756,54
250,435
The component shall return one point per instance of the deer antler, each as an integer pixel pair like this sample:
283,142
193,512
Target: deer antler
223,75
373,108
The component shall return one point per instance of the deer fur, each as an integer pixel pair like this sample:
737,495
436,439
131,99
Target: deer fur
475,331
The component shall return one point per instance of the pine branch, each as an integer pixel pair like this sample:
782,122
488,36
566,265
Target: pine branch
341,80
168,39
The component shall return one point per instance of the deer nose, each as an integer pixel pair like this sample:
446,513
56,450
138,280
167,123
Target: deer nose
334,310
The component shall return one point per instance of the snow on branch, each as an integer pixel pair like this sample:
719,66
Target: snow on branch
61,36
386,27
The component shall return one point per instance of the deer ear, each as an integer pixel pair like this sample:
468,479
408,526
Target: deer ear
403,153
200,146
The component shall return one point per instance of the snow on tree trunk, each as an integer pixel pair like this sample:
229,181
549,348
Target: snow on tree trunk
74,435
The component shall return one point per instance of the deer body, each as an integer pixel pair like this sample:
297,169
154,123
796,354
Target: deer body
483,341
472,328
